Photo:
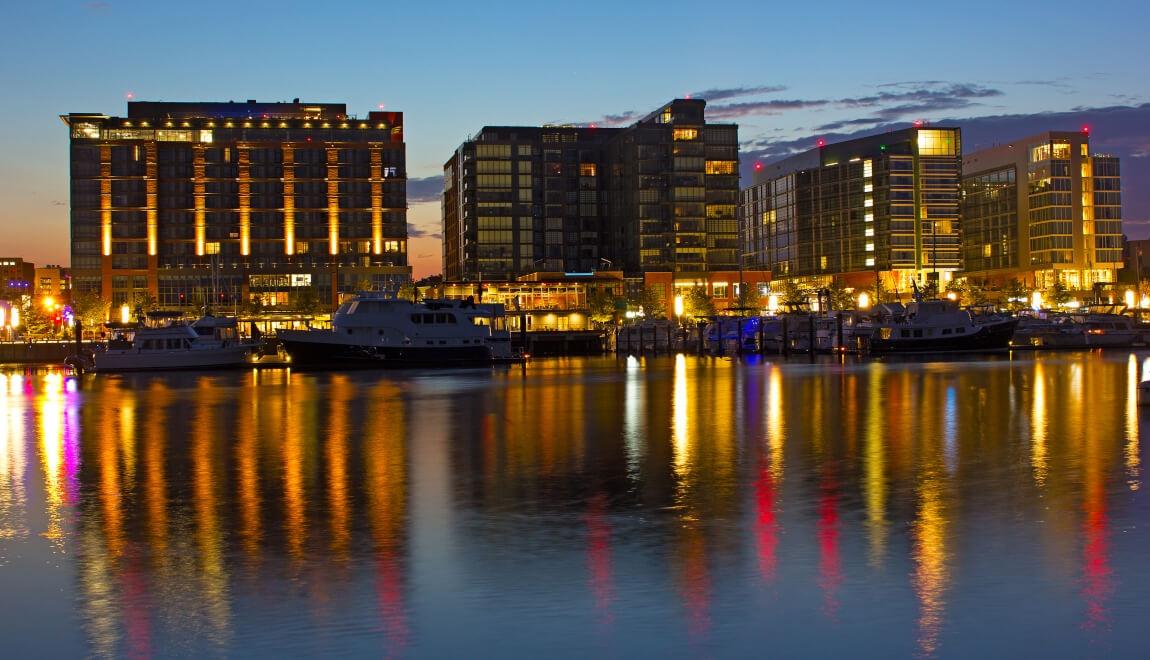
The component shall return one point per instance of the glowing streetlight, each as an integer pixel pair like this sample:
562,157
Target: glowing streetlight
3,312
1145,302
49,303
678,305
1130,298
864,300
1036,301
951,295
15,317
772,303
125,314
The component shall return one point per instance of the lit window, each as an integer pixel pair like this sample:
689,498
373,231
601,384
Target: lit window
869,231
212,248
986,250
870,261
587,169
681,134
721,167
933,142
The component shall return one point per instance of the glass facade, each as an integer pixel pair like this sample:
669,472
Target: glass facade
1062,224
879,207
179,201
658,195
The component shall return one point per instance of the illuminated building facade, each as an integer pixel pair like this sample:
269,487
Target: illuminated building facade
877,209
545,301
237,201
52,280
1042,210
659,195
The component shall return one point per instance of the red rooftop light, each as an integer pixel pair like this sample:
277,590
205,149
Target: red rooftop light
758,166
1086,130
918,123
821,143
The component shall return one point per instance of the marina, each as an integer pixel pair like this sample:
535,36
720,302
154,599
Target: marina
984,506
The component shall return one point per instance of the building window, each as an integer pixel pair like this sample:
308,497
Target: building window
681,134
719,290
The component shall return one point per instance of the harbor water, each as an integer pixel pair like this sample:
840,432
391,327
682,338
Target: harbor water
673,507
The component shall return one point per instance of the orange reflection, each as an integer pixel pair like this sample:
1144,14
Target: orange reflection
875,467
338,491
931,575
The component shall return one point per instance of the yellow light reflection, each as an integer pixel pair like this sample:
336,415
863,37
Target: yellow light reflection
339,490
932,574
775,422
51,414
876,467
1038,422
680,418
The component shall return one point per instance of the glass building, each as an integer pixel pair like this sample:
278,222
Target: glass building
880,209
1042,210
234,202
659,195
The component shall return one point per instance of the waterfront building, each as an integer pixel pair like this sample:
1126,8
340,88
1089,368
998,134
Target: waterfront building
878,210
52,280
16,277
237,202
658,195
546,301
1136,260
1042,210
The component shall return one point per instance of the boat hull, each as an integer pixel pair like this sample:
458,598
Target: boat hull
989,337
132,360
315,352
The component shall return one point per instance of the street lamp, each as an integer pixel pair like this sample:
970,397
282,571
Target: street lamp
1036,301
1129,298
679,308
864,300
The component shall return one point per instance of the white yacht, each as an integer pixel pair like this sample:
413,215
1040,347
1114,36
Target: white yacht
373,330
211,342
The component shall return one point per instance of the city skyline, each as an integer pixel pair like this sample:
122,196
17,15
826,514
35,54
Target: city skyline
477,78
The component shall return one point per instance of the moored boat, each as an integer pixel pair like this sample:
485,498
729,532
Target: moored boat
210,342
375,331
931,326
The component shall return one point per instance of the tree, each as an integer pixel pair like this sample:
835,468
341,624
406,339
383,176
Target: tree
90,309
1058,294
408,291
601,306
747,300
1015,294
254,306
970,292
697,303
305,301
840,296
795,295
650,300
36,321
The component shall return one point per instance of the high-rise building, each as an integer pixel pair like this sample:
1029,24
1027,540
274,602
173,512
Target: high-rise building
1042,210
876,209
233,202
659,195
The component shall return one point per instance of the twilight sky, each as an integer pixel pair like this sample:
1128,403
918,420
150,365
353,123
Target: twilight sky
785,72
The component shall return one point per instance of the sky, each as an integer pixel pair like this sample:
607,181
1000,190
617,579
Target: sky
787,73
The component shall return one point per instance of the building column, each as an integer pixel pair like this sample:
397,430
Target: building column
152,182
289,199
333,201
243,151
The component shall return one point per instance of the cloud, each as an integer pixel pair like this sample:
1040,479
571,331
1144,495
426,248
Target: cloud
57,202
621,118
427,189
760,108
98,6
921,97
414,231
721,93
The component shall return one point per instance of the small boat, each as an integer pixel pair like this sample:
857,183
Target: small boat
210,342
931,326
376,331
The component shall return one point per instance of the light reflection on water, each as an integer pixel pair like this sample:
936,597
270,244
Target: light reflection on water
670,506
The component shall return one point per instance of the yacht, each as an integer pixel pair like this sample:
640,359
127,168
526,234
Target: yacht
931,326
372,330
210,342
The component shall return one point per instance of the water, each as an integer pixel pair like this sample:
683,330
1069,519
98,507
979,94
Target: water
675,507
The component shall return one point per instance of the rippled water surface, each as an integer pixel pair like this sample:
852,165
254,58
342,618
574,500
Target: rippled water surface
672,507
